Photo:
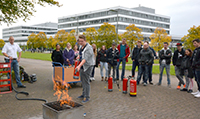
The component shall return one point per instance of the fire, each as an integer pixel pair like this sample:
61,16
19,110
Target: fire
61,89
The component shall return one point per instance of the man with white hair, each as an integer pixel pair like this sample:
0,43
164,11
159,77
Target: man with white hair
145,59
10,52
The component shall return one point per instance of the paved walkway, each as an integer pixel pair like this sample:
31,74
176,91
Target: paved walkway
151,102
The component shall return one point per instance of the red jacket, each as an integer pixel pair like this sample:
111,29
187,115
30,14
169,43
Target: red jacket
127,51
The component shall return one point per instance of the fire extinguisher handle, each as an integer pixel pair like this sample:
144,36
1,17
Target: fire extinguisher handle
76,71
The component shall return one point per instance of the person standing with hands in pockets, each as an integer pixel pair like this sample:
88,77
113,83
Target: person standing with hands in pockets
85,67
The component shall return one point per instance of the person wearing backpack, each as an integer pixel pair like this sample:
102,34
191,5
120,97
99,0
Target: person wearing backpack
57,55
187,67
177,59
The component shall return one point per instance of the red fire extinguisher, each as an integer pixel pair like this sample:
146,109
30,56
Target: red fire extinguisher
125,83
110,84
133,88
76,73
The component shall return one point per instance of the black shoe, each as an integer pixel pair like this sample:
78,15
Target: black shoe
22,86
151,83
190,91
184,89
158,84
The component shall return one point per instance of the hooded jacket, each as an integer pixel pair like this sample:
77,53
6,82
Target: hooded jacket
136,53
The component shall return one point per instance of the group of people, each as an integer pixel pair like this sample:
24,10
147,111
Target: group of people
186,62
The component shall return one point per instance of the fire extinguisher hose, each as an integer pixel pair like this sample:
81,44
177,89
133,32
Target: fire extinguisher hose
25,93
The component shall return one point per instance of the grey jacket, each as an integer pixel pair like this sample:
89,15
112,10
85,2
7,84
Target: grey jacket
88,55
146,57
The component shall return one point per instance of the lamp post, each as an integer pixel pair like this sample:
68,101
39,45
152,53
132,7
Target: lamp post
112,10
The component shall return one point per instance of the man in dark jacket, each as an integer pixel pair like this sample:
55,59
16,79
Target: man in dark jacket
165,59
151,65
196,65
112,56
135,56
145,59
177,61
124,53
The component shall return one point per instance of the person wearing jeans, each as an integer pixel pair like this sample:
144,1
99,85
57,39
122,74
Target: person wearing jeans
165,59
196,65
10,52
145,59
124,53
135,56
177,62
102,59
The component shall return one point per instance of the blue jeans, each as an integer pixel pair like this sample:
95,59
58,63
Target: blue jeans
15,67
93,71
143,69
135,63
167,67
104,64
149,73
123,60
197,78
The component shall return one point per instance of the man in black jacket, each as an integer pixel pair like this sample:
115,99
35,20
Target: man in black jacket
135,56
112,56
165,59
177,61
196,65
145,59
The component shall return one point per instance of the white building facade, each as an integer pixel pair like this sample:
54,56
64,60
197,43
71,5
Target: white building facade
143,17
21,33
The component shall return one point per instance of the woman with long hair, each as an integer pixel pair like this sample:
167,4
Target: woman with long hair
187,67
102,61
68,55
95,55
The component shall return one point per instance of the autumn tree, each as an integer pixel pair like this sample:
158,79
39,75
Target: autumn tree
193,33
91,35
61,38
2,43
72,38
106,35
51,42
132,35
31,41
12,10
40,40
158,38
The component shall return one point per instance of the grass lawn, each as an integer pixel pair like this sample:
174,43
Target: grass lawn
155,70
39,56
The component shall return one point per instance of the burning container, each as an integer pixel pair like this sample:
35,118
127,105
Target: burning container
54,110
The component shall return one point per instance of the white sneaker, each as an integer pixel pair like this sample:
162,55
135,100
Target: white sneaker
195,93
93,79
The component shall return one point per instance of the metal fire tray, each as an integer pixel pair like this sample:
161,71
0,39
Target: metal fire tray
53,110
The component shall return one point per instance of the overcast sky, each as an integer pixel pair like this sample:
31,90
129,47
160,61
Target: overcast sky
184,13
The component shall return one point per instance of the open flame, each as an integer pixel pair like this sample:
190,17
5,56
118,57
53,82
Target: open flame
61,89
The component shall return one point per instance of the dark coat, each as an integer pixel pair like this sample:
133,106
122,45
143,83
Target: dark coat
57,56
136,53
167,56
68,55
112,56
196,59
146,56
101,56
187,65
178,57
